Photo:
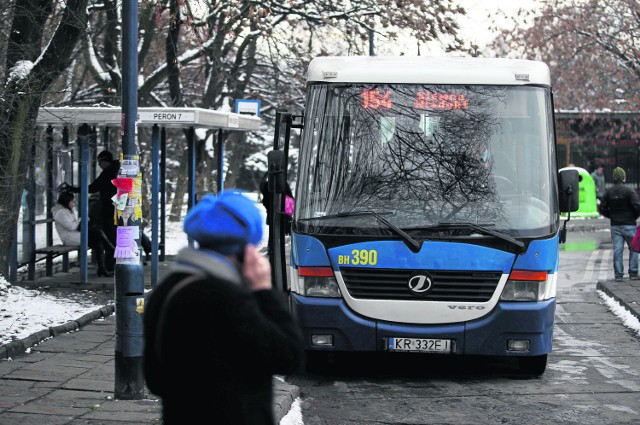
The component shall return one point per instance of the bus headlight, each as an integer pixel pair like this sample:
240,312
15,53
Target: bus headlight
318,282
525,285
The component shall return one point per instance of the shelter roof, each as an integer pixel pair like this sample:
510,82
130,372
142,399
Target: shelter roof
164,117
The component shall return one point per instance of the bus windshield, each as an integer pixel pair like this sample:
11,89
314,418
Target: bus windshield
427,155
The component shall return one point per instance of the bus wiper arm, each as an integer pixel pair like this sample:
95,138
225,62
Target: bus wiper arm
483,229
411,243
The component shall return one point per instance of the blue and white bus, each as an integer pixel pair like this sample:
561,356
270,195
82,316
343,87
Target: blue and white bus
428,202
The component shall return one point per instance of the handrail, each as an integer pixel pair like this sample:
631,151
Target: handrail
39,221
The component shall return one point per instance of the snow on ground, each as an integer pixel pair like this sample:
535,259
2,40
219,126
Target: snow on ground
628,319
26,311
294,416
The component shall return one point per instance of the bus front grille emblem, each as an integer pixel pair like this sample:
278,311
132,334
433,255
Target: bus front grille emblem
420,283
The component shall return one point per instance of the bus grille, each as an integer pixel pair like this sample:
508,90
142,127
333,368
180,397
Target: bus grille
393,284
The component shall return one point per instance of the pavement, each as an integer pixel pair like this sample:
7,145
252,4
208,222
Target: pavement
66,374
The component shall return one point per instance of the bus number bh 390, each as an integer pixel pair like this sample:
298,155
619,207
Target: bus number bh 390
360,257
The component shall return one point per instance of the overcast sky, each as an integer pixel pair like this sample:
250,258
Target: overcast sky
475,26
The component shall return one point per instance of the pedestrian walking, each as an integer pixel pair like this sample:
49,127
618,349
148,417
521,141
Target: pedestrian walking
598,179
215,329
621,206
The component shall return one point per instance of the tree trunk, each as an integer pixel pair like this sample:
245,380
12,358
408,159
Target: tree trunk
236,152
21,99
15,155
181,188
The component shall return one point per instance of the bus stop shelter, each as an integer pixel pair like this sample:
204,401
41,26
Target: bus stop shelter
92,121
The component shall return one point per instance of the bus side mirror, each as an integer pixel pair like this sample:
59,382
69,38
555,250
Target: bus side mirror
277,178
568,181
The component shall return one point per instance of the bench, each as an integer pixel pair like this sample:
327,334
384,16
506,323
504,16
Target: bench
53,251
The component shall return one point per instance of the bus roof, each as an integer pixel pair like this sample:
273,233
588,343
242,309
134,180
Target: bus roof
427,70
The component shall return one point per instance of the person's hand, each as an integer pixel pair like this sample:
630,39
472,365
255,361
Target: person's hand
256,269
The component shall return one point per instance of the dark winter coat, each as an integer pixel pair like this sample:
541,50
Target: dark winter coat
620,205
212,352
266,202
102,185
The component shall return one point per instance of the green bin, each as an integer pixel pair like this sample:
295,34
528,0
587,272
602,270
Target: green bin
588,203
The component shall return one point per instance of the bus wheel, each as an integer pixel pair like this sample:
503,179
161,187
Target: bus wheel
534,365
316,360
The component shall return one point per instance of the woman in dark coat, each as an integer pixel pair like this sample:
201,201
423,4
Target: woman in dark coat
215,329
102,185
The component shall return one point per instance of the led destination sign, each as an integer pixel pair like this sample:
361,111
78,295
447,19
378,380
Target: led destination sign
376,98
425,100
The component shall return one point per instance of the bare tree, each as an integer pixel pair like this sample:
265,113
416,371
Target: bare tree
31,65
191,53
592,48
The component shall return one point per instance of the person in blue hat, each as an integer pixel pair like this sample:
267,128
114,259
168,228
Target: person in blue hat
215,329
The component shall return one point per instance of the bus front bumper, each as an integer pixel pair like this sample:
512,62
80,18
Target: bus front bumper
322,318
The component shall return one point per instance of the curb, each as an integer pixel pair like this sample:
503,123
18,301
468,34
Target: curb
284,394
632,309
20,346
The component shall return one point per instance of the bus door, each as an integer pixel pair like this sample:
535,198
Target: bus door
277,160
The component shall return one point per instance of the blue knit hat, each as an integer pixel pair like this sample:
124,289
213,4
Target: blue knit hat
224,223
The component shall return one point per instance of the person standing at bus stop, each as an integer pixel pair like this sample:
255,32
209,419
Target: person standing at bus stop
620,204
598,179
215,329
102,185
266,202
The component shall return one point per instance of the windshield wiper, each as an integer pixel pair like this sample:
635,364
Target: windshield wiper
411,243
480,229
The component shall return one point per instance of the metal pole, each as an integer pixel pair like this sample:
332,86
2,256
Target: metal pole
94,153
29,228
155,183
163,190
191,149
49,172
105,138
220,154
129,273
84,135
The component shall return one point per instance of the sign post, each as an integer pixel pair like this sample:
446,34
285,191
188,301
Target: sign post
129,274
248,107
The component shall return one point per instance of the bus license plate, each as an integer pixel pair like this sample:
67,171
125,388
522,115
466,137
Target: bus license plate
420,345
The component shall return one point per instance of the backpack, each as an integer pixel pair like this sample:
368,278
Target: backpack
153,341
635,242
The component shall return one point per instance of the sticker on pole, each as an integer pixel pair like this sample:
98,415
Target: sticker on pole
139,305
